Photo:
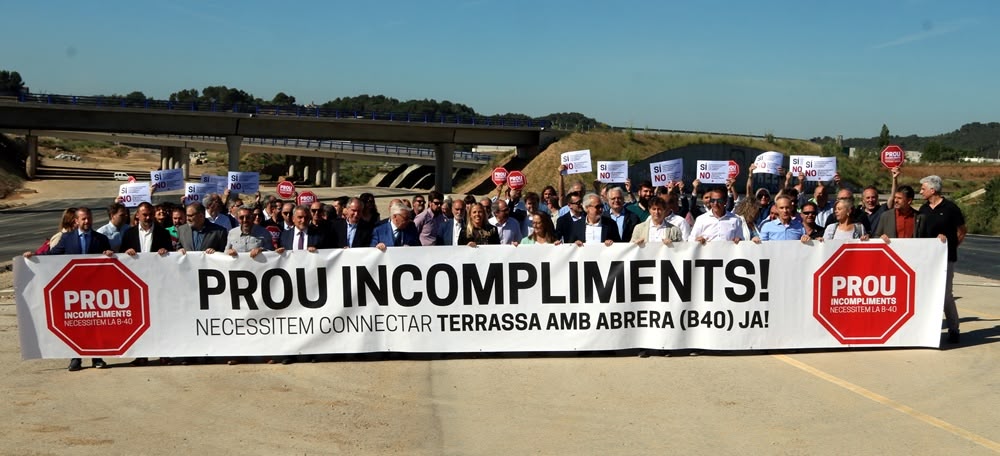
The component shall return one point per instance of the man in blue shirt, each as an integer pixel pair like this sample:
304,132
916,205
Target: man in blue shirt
786,227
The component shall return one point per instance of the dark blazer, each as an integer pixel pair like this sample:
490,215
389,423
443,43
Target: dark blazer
314,238
564,226
383,234
161,239
69,244
447,232
362,234
216,237
327,238
631,220
609,230
486,236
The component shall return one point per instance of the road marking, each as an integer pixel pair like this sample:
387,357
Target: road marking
980,314
938,423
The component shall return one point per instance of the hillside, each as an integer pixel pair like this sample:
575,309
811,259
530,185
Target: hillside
978,139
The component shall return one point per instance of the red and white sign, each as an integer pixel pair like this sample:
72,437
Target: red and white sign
97,306
863,293
286,189
499,175
734,169
306,198
893,156
516,180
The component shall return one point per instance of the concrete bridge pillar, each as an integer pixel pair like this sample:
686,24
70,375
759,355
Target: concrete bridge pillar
31,165
165,157
444,158
320,171
306,169
333,165
233,145
185,157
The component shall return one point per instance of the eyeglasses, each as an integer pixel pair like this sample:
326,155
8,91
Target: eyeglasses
808,213
418,201
436,202
600,208
574,203
716,200
285,213
247,217
763,197
192,215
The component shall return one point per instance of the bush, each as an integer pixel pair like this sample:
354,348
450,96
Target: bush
980,217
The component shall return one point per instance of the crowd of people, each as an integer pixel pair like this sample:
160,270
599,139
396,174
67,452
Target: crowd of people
607,214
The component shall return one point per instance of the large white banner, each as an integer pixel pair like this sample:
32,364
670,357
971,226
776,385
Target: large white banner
780,294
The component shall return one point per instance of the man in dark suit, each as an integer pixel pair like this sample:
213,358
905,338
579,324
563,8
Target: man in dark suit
80,242
564,224
302,236
396,230
158,237
625,220
350,230
594,227
452,225
200,235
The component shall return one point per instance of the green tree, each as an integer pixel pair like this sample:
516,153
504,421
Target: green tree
185,96
883,138
11,82
283,99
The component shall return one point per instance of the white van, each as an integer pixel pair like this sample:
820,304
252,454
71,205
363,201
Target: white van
121,176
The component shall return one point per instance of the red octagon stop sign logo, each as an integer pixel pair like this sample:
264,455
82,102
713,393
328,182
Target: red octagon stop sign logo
863,293
97,306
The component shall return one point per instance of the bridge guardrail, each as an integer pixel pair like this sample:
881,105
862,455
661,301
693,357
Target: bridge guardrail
275,110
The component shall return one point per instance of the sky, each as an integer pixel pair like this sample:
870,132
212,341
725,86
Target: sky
798,69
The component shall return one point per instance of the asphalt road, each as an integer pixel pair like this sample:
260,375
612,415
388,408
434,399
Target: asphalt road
25,228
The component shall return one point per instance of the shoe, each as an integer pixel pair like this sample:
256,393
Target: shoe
75,364
233,362
287,360
644,353
954,337
100,364
140,362
166,361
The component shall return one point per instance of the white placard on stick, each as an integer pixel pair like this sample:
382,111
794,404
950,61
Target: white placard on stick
713,171
577,161
196,192
246,182
134,193
219,183
612,172
768,162
167,179
815,168
665,172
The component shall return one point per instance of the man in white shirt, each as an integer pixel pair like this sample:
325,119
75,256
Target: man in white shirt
508,228
673,206
716,224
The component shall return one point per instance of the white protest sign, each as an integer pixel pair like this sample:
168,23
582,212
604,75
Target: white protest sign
135,193
612,172
196,193
665,172
577,161
815,168
219,183
713,171
768,162
244,181
167,180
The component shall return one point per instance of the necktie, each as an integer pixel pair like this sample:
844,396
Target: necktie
302,240
397,238
84,242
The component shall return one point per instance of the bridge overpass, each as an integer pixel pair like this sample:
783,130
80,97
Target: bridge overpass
30,118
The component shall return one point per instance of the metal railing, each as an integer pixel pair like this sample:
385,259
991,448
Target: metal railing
275,110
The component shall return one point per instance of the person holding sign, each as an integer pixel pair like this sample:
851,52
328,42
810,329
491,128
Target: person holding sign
716,224
594,227
656,228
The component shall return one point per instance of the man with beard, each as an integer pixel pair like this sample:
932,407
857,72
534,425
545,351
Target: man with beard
248,237
641,207
428,222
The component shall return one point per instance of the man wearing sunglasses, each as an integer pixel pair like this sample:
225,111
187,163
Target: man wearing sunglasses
428,222
716,224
